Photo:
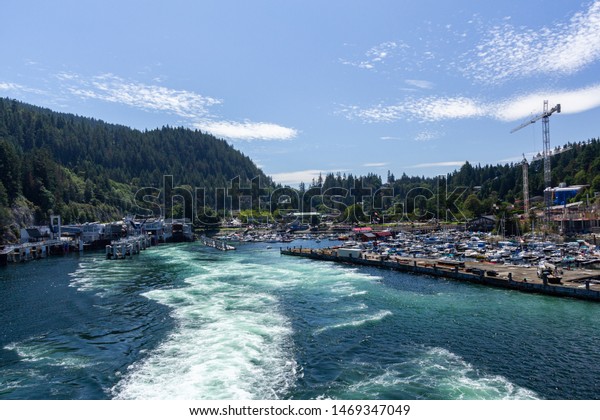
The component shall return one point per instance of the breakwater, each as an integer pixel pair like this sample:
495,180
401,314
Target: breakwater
582,285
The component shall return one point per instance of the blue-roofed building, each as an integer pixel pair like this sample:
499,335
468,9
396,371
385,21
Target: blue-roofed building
561,195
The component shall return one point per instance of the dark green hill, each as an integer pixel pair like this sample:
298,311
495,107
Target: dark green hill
85,169
472,190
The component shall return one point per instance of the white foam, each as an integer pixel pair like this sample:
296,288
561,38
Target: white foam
356,322
230,343
34,350
437,373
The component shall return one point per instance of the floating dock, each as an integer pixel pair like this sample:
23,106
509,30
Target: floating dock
217,244
579,284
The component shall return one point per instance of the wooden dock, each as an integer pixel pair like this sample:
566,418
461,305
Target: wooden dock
579,284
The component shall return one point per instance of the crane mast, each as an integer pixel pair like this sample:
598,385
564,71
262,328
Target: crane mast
525,165
545,117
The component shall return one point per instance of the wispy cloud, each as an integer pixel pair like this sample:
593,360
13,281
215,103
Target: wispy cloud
10,86
436,108
376,55
438,164
507,52
421,84
192,106
306,176
247,130
432,108
111,88
15,87
375,164
428,135
572,102
422,136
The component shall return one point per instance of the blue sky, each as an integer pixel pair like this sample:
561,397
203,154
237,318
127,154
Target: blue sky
304,87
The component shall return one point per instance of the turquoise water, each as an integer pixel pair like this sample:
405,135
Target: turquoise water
188,322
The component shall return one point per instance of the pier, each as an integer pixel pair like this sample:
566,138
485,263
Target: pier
33,251
579,284
127,247
217,244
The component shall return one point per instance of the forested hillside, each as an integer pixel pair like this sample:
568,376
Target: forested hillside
85,169
472,190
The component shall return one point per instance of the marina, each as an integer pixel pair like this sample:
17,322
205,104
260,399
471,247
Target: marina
581,285
566,270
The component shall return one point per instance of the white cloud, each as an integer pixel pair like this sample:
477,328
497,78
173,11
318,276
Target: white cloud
438,164
10,86
375,164
376,55
112,88
572,102
432,108
15,87
435,108
421,84
247,130
508,52
306,176
428,135
422,136
195,108
67,76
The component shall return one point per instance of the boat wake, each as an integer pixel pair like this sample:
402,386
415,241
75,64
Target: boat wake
356,322
230,343
436,373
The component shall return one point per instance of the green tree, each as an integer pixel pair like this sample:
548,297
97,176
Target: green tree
473,205
353,214
10,169
596,183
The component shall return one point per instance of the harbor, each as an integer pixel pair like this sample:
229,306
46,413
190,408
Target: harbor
580,284
119,239
80,318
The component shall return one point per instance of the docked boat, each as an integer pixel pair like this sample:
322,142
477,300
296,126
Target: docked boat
94,236
178,231
547,270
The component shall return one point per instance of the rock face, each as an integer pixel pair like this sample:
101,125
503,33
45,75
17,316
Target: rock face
21,214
